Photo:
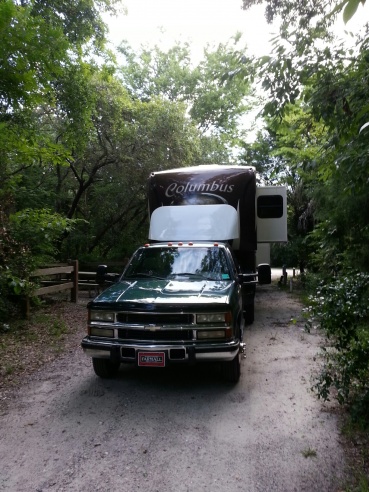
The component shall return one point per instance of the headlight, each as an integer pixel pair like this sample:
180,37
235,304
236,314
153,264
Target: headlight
213,318
101,332
102,316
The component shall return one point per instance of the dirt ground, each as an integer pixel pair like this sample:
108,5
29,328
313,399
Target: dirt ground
180,428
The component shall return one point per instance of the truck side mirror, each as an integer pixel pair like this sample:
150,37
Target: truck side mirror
101,272
103,278
264,274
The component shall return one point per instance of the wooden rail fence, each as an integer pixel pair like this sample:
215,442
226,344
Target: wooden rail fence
57,278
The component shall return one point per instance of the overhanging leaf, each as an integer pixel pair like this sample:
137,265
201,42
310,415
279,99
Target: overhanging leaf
350,10
338,8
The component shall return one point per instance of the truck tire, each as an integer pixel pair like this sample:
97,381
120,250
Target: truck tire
105,368
264,274
232,369
249,313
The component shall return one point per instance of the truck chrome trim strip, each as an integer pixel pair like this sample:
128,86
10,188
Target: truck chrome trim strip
222,356
100,354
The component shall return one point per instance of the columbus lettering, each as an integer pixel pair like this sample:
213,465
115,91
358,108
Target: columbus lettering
179,189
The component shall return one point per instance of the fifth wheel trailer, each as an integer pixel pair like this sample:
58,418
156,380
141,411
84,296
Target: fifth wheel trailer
261,213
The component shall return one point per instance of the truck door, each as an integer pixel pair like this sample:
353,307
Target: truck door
271,214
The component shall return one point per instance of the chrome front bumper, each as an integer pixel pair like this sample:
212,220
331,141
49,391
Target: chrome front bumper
127,352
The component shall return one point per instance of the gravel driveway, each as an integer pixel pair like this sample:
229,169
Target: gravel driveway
179,429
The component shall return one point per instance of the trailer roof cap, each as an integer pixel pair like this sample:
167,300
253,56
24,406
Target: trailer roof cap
194,222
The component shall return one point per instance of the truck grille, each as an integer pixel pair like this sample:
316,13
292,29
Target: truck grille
155,318
162,335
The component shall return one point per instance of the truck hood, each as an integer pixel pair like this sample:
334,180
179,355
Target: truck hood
149,291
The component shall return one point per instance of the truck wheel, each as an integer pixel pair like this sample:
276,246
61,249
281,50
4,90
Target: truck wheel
249,314
232,369
105,368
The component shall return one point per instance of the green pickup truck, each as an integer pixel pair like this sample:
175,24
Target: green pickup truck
174,303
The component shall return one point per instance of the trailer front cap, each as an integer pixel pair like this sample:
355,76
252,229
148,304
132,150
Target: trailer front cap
194,222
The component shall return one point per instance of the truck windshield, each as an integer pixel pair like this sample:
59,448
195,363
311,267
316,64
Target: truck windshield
170,262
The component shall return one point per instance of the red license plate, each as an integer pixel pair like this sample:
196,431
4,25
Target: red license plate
151,359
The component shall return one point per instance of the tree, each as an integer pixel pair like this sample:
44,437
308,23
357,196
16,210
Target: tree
214,102
41,45
327,81
37,39
284,153
327,84
305,10
107,161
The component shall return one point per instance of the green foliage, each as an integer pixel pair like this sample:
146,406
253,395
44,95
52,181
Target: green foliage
58,328
315,147
28,239
340,308
214,102
128,139
350,8
26,43
15,259
38,231
305,11
47,111
340,239
290,11
37,39
285,153
155,73
316,141
218,103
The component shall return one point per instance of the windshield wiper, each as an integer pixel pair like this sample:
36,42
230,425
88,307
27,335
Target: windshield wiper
145,275
188,274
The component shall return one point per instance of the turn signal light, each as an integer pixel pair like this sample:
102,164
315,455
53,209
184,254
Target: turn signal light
210,334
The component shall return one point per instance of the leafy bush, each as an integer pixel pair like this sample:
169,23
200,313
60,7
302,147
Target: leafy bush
341,309
14,260
27,240
39,230
292,254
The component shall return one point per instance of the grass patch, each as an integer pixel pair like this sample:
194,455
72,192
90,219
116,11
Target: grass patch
309,453
9,369
58,328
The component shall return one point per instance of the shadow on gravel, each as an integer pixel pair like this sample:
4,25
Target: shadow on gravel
146,393
174,379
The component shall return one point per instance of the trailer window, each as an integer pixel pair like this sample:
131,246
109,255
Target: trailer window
270,207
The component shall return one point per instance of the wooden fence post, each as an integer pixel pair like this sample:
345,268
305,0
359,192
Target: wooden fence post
74,290
26,307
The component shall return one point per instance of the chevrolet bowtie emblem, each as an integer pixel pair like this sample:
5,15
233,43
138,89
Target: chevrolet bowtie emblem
152,327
